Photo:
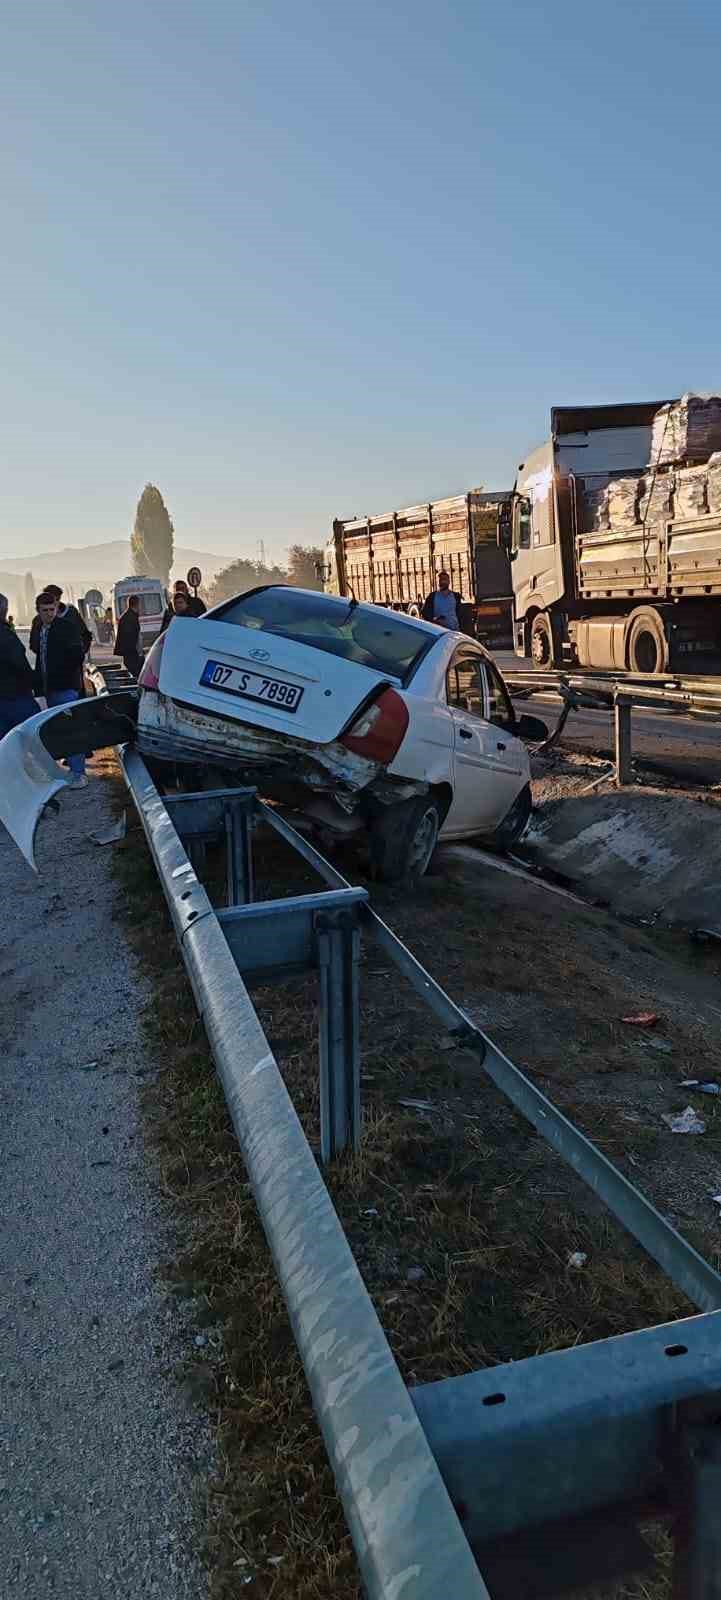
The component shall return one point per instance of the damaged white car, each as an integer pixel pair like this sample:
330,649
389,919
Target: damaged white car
362,718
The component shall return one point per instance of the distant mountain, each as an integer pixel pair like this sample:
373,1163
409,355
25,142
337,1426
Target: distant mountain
99,565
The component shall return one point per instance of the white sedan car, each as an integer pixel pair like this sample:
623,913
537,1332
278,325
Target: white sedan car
363,718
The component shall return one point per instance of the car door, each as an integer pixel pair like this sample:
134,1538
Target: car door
507,757
480,780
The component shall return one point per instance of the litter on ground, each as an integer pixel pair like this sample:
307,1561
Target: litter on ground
684,1121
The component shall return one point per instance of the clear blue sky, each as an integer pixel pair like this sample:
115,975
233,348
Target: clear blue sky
293,260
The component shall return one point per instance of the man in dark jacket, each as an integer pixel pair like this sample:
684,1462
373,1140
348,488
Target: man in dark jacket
127,638
63,611
16,677
194,606
59,667
443,605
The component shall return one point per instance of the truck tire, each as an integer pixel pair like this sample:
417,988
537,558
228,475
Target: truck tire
403,838
542,652
646,643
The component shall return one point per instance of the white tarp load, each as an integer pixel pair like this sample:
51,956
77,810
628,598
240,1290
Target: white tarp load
713,484
621,500
656,500
595,503
690,492
686,430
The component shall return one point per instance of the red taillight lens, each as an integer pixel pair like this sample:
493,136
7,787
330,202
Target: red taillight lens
378,731
150,671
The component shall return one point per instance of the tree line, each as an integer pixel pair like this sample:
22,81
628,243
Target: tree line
152,548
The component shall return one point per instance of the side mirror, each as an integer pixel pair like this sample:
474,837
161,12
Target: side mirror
504,530
531,728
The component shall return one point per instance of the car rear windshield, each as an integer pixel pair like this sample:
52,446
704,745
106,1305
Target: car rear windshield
368,635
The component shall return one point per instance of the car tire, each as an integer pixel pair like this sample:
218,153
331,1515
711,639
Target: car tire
403,838
515,822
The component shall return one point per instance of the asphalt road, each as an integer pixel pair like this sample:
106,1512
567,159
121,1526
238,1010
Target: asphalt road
674,745
103,1458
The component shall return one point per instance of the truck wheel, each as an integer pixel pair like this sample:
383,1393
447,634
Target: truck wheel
541,642
646,642
403,838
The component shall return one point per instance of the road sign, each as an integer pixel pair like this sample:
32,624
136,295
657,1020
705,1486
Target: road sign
94,597
194,577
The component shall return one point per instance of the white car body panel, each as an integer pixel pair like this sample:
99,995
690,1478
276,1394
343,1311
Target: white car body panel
332,687
474,763
29,778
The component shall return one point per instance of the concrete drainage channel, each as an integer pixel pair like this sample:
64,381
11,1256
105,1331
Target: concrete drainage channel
534,1474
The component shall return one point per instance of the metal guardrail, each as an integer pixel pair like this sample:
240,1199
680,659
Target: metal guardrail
591,691
549,1461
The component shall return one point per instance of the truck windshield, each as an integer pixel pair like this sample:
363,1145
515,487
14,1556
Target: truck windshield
368,635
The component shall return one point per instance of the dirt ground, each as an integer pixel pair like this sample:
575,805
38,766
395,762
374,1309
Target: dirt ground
461,1219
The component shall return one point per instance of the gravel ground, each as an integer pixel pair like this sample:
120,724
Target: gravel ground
104,1460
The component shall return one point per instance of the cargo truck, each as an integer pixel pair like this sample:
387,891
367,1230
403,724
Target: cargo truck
614,536
394,560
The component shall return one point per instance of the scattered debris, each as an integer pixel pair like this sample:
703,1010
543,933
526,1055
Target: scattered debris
644,1019
201,1339
90,1066
112,835
702,1088
417,1105
716,1199
414,1274
663,1045
371,1212
684,1121
577,1259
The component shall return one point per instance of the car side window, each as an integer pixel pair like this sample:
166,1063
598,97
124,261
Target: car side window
464,684
500,710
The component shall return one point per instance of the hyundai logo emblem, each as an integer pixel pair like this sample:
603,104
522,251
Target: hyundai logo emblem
259,655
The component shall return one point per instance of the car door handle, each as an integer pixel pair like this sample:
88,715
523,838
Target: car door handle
465,733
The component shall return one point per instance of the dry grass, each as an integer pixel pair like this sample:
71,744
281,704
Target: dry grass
467,1194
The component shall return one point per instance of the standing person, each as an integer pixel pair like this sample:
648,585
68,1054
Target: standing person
127,638
59,667
180,607
195,607
63,611
16,676
443,605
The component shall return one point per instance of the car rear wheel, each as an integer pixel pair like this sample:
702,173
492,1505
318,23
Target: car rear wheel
403,839
515,822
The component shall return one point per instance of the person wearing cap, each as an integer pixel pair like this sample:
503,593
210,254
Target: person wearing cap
443,605
17,701
59,667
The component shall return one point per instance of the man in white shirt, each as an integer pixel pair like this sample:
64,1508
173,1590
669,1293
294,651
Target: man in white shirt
443,605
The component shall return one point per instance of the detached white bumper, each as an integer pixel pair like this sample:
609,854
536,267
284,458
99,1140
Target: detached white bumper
28,779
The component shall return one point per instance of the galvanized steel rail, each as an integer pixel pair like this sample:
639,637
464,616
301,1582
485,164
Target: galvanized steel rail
553,1436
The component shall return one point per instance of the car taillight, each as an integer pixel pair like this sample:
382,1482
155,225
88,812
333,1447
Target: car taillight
378,731
149,677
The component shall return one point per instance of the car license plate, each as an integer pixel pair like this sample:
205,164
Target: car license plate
252,686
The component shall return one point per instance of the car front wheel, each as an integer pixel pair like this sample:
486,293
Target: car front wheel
515,822
403,839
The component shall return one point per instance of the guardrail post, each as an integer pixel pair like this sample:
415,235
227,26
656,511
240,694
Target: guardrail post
622,726
697,1563
239,850
338,956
